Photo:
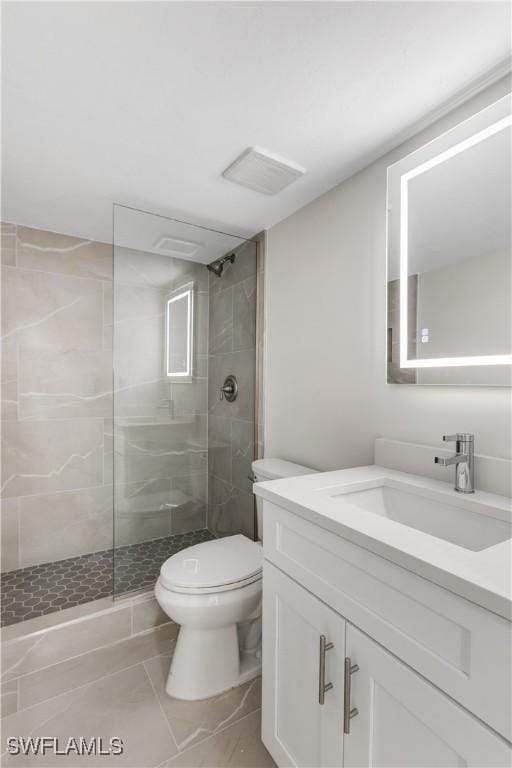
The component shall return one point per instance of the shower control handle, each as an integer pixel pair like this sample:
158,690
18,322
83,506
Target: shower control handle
229,390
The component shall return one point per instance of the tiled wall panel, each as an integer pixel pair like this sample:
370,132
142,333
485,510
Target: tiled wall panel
59,444
56,396
231,426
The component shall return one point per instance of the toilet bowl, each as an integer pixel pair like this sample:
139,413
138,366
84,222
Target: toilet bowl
213,591
208,589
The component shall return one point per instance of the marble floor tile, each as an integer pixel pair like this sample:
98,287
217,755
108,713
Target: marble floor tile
238,746
192,721
8,698
121,704
130,703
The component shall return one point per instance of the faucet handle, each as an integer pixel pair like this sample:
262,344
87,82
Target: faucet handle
459,437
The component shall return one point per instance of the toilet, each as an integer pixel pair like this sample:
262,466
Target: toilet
213,591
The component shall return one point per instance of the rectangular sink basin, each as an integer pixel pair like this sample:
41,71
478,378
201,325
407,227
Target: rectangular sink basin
457,524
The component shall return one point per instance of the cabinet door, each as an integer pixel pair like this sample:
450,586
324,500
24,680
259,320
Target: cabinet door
405,722
296,728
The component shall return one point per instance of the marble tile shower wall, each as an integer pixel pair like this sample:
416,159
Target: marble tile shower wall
231,426
58,434
56,396
160,433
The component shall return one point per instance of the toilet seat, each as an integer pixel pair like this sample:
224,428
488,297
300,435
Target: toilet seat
213,566
210,590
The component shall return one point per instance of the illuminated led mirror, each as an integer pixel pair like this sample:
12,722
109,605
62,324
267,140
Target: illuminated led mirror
179,325
450,256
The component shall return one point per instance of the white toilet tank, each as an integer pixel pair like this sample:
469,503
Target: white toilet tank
274,469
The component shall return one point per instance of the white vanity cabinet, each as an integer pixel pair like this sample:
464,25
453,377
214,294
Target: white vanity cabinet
431,671
297,729
405,722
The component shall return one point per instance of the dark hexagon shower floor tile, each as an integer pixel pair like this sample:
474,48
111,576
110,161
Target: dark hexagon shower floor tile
41,589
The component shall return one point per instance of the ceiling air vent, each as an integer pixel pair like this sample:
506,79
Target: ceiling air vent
262,171
172,246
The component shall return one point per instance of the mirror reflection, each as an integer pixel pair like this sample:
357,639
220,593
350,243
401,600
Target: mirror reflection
450,243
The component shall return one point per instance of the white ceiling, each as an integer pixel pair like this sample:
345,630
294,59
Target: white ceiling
146,103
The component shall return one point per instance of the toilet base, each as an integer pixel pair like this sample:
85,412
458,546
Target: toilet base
207,662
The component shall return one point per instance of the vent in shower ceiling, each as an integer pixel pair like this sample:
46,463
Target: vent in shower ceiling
172,246
263,171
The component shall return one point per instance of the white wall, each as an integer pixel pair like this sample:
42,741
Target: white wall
326,396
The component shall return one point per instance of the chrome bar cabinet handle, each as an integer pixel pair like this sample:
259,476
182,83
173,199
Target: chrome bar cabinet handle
348,713
322,685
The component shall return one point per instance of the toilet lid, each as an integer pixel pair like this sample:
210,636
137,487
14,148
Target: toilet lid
213,564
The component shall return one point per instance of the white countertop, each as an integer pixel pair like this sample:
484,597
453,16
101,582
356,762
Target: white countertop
483,577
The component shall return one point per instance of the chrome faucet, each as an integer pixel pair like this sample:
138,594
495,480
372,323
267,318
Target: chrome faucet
463,460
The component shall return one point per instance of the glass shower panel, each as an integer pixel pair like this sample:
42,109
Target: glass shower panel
161,346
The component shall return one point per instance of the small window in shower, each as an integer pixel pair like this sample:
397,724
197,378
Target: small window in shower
179,333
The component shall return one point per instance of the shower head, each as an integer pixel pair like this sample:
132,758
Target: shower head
217,266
